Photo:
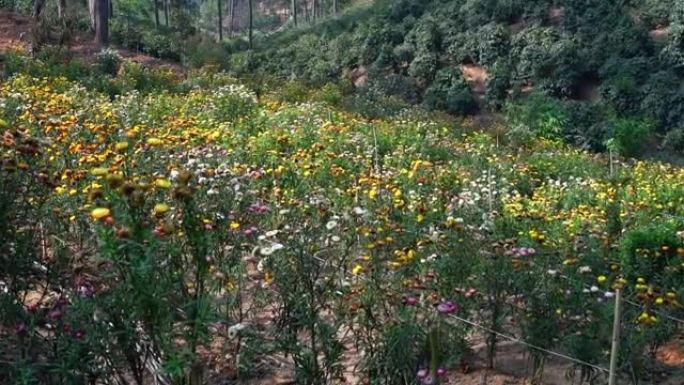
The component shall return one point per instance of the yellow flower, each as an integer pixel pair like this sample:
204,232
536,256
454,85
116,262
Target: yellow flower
100,213
601,279
121,146
99,171
155,142
373,193
234,225
161,208
659,301
162,183
357,269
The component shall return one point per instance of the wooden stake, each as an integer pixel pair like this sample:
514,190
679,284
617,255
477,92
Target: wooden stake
612,376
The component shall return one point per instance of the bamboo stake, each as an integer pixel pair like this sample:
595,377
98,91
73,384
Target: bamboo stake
612,376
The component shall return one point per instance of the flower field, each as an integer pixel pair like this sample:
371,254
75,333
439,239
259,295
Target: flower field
199,235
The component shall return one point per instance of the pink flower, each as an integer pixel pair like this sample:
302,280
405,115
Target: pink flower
447,307
410,301
55,314
422,373
20,328
258,208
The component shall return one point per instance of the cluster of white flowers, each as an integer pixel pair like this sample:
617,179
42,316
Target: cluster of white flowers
236,90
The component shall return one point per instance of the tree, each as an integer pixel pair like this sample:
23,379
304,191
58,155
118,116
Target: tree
166,12
313,10
233,4
102,22
251,24
335,7
156,13
220,20
93,15
61,9
38,6
294,12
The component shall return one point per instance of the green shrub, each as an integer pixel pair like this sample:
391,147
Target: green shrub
201,52
331,93
161,46
294,92
543,115
423,67
674,140
630,135
450,92
108,61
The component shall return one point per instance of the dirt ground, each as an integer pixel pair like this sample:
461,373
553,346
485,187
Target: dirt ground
15,34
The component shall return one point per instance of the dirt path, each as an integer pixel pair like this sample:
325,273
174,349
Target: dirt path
15,34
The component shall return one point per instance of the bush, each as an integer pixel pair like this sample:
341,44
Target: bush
107,62
630,135
451,93
161,46
674,140
544,116
201,52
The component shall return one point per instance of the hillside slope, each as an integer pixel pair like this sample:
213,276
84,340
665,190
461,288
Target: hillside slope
603,61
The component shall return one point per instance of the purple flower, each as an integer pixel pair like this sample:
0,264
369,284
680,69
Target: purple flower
86,290
447,307
250,231
422,373
20,328
410,301
441,372
55,314
429,380
258,208
78,334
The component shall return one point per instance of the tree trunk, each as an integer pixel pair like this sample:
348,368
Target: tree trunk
220,21
111,9
61,9
251,24
93,15
313,10
101,23
294,12
335,7
38,6
166,12
156,13
306,11
233,4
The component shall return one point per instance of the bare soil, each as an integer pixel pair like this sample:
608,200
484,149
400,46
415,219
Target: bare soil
15,34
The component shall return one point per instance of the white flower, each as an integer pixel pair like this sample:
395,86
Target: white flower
585,269
234,330
268,250
174,174
271,233
359,211
335,238
552,272
331,225
594,289
609,294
